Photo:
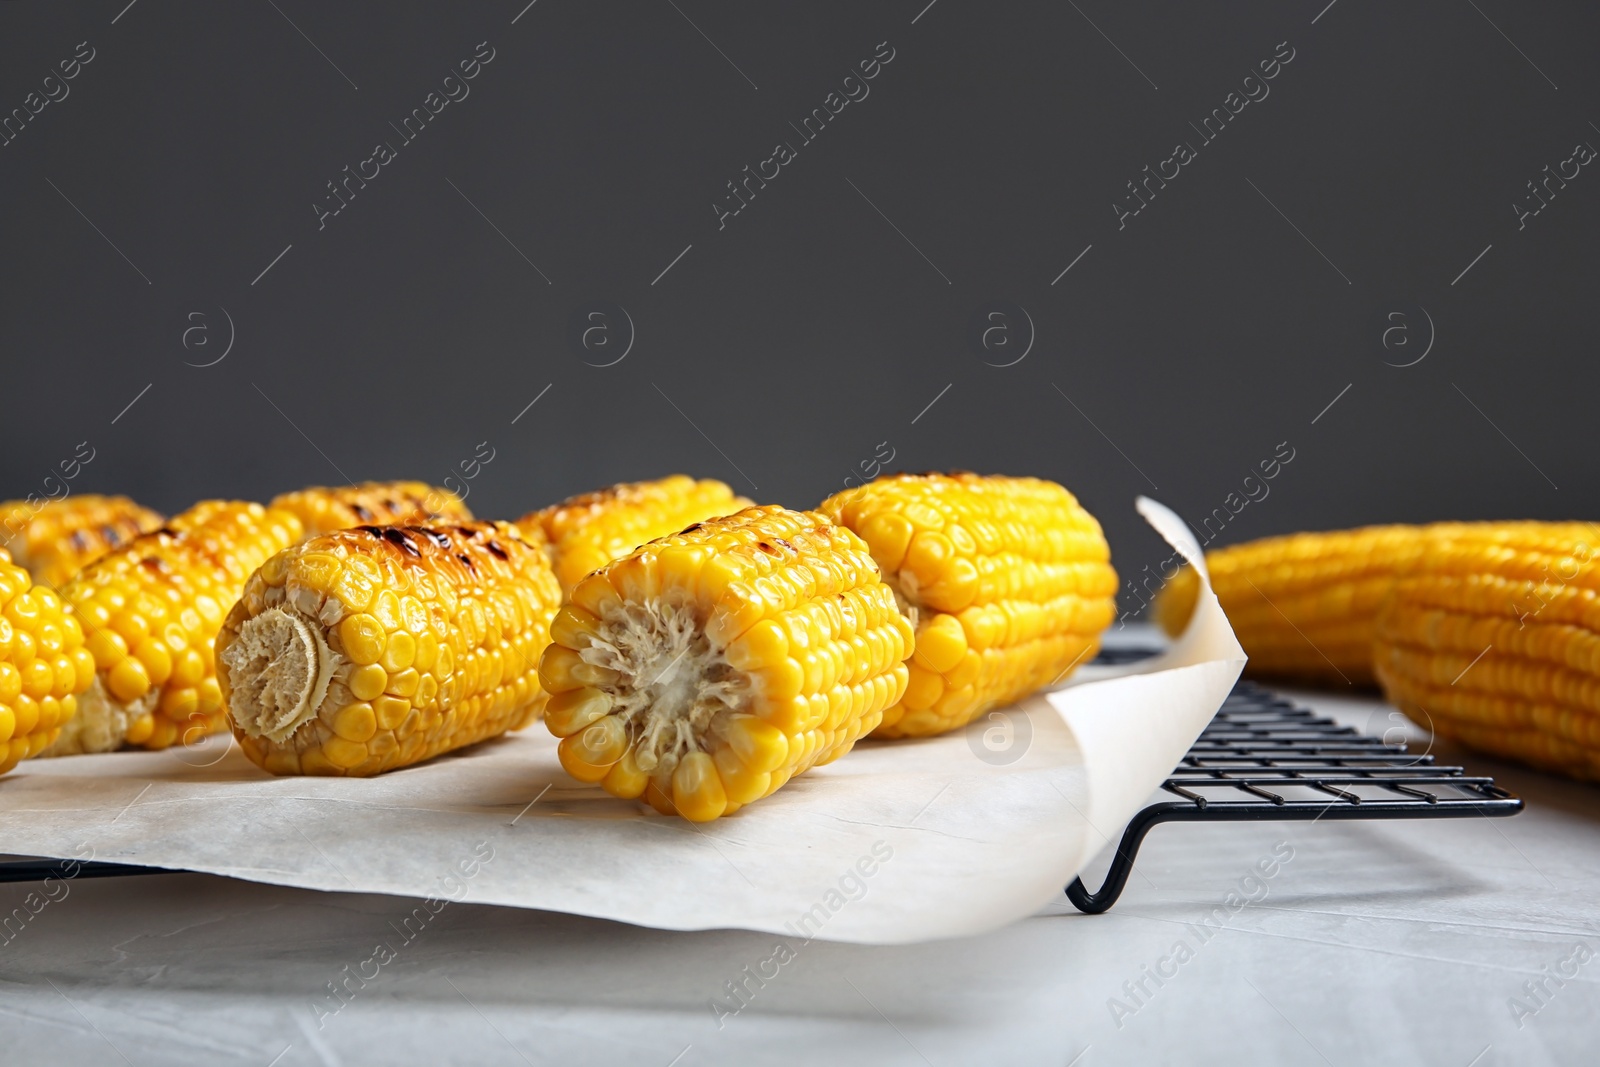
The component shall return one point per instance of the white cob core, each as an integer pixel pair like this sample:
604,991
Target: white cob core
675,691
278,672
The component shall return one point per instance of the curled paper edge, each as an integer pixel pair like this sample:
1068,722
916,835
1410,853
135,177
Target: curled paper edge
1129,746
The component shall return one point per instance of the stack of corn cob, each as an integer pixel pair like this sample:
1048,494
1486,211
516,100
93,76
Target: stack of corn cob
152,606
1483,632
708,650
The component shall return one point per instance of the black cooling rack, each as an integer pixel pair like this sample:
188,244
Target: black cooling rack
1264,758
1261,758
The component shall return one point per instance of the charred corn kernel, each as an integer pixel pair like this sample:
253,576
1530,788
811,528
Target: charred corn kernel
55,539
1008,582
1493,639
38,693
315,687
152,608
322,509
678,680
583,533
1304,605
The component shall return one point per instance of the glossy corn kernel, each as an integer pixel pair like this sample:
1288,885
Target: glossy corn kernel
586,532
56,539
151,610
43,665
1493,639
322,509
1303,606
363,650
1008,580
705,669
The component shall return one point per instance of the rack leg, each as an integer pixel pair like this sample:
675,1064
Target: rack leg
1093,903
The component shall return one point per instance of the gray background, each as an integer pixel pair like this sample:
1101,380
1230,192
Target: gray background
779,351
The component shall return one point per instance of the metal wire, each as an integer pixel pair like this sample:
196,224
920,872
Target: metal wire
1263,758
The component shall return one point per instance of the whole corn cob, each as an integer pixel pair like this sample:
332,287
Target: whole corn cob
43,665
1494,640
58,538
586,532
707,668
364,650
1009,582
321,509
1304,605
152,609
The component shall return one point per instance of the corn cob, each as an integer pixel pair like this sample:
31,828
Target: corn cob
1008,581
364,650
322,509
1304,605
152,609
707,668
43,665
586,532
58,538
1494,640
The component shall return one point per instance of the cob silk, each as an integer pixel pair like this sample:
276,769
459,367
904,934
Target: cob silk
975,846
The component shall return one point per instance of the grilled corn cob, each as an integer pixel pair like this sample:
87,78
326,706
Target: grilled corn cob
1009,582
1304,605
364,650
58,538
588,531
321,509
707,668
43,665
1494,640
152,609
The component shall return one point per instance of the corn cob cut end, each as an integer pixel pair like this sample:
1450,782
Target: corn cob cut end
279,669
705,669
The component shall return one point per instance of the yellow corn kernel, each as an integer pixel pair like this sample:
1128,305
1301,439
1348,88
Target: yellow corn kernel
625,779
571,711
322,509
689,657
1013,566
942,643
584,533
362,638
355,722
451,630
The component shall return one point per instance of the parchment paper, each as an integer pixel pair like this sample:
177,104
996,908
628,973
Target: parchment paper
896,842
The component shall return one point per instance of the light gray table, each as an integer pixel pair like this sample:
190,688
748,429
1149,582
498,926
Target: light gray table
1403,943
